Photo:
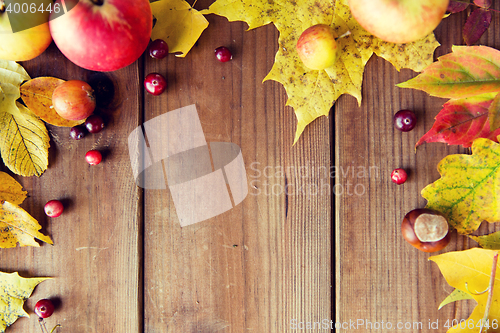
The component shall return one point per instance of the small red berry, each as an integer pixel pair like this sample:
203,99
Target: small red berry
93,157
94,124
223,54
77,132
399,176
44,308
158,49
155,83
405,120
53,208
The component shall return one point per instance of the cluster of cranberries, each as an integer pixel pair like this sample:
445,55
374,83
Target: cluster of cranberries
405,121
425,229
155,83
93,124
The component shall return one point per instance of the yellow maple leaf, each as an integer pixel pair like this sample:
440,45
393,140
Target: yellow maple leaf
178,24
11,190
37,95
468,191
14,290
312,93
18,227
469,271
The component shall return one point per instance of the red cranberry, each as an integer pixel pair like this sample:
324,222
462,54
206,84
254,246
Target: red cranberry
399,176
93,157
77,132
405,120
155,83
223,54
44,308
53,208
94,124
158,49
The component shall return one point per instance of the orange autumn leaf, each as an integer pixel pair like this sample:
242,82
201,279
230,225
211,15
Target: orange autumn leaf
37,95
467,71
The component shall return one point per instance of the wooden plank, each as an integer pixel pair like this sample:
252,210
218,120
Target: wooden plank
266,261
96,257
379,277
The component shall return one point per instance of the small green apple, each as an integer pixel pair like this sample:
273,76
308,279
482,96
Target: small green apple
399,21
317,47
24,44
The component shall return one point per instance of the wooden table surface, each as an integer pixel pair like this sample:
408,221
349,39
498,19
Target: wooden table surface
330,250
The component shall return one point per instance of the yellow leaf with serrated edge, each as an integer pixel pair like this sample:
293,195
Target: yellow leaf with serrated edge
469,271
14,290
468,191
11,190
37,95
178,24
18,227
312,93
24,141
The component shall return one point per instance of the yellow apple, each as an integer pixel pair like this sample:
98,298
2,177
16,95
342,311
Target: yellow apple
24,44
317,47
399,21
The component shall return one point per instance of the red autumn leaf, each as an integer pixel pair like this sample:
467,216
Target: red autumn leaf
475,26
461,121
456,6
483,3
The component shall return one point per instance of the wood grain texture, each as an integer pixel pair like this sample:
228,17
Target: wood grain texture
96,258
266,261
379,277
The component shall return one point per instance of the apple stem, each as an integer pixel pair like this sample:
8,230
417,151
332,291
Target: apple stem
98,2
345,34
2,6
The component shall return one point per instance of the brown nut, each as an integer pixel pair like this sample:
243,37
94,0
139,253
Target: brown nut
425,229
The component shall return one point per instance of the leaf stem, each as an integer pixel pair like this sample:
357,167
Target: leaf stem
42,325
490,294
52,331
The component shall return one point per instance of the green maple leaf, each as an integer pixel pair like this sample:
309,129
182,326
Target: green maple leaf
310,92
468,191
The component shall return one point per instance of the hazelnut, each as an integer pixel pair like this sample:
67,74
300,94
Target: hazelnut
425,229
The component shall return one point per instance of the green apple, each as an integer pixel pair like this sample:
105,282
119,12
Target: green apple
24,44
317,47
399,21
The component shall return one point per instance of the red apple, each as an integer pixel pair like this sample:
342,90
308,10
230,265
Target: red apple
317,47
103,35
399,21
